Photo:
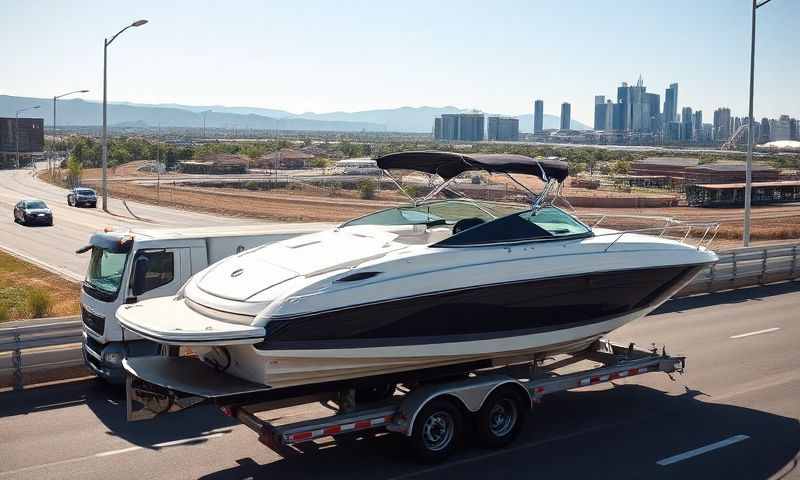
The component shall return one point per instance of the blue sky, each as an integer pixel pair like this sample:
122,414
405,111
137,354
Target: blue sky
351,55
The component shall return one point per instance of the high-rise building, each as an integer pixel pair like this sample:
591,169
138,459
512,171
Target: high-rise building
794,129
698,126
437,128
565,115
780,129
461,126
502,128
687,130
637,110
600,112
618,117
609,120
654,101
538,116
671,103
722,124
763,132
672,131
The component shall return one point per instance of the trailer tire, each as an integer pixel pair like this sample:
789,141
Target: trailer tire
501,418
437,430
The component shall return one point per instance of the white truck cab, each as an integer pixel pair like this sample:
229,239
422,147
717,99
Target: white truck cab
132,265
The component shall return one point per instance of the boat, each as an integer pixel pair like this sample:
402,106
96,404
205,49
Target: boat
443,281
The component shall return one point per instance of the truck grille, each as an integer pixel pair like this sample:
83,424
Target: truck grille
94,322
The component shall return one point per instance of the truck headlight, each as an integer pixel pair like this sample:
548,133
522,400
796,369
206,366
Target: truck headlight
113,358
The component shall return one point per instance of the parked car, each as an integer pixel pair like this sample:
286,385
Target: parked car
82,196
31,212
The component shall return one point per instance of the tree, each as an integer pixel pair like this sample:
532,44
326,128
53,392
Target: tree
366,189
74,169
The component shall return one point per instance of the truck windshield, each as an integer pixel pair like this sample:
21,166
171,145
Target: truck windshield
105,271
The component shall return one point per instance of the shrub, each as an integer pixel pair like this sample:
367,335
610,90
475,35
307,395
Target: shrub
366,189
3,313
38,303
251,185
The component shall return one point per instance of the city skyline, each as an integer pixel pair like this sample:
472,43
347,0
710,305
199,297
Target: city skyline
348,56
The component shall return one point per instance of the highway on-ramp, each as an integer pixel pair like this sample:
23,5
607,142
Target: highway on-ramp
54,247
733,415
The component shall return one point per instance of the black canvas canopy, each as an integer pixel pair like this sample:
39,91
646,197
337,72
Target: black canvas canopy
449,164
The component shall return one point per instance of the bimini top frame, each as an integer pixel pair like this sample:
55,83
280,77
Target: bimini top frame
449,165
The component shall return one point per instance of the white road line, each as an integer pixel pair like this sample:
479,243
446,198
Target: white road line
758,332
111,453
699,451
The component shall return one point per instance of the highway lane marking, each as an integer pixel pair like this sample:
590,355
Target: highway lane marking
757,332
109,453
699,451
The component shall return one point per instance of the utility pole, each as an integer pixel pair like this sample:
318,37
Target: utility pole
748,188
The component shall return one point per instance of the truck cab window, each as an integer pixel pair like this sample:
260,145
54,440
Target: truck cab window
160,269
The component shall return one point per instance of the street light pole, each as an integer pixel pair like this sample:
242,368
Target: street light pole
49,165
106,43
204,122
16,129
748,187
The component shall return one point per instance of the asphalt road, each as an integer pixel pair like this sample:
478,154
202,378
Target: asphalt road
54,247
740,395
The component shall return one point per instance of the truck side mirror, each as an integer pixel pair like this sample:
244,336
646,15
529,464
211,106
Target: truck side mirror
139,275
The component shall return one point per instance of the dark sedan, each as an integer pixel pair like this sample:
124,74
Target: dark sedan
33,212
82,196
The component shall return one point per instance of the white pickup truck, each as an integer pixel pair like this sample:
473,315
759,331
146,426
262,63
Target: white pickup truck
132,265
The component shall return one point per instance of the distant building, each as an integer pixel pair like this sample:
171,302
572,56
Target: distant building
698,126
460,126
600,107
671,103
780,129
538,116
763,134
503,128
285,158
654,103
565,115
690,171
215,164
794,129
437,128
722,124
672,131
687,130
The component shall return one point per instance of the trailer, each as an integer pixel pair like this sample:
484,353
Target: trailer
433,412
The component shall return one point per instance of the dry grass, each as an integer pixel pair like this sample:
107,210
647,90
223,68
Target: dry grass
27,291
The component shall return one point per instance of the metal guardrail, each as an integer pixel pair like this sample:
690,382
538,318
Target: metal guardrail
38,346
49,345
743,267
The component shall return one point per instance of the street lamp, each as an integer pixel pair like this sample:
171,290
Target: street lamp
106,43
16,127
49,167
748,187
204,121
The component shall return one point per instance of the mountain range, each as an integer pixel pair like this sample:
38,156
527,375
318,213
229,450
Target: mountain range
78,112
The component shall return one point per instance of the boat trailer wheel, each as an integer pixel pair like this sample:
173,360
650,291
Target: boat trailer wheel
438,431
503,417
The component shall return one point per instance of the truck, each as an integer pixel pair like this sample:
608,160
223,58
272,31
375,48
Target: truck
135,264
434,410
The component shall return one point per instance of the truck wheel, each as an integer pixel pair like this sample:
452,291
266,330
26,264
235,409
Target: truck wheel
500,418
436,431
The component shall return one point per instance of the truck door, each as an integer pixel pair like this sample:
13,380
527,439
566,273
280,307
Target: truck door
157,273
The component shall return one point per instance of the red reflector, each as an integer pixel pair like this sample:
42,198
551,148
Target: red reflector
227,411
363,424
299,437
333,430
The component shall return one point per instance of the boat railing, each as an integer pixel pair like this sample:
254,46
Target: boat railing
703,232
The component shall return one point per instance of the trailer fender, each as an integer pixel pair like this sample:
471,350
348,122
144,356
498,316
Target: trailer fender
469,394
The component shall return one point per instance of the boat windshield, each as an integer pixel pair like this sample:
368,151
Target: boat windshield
543,224
105,271
440,212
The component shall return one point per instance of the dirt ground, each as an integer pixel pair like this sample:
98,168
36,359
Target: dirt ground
19,278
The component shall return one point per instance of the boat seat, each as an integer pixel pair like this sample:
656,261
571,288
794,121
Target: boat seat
466,223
